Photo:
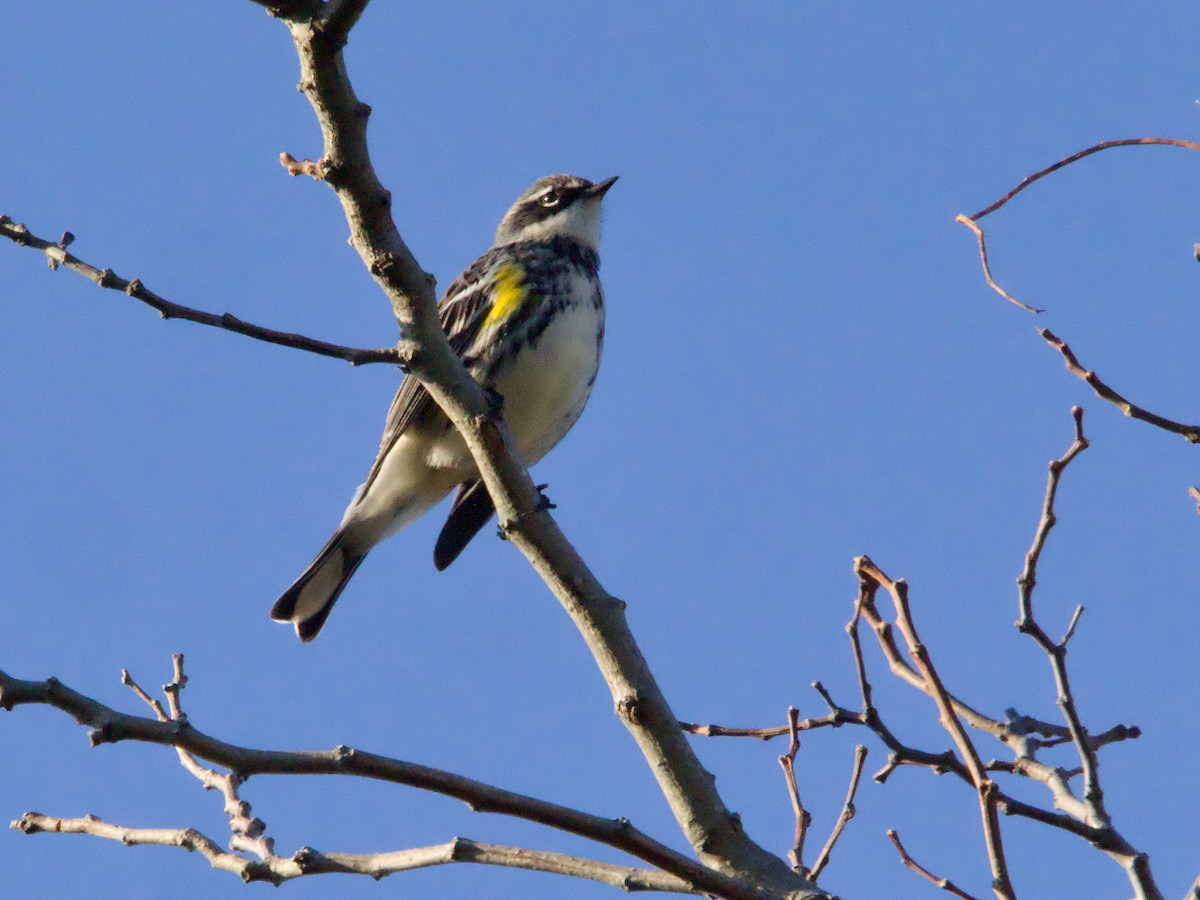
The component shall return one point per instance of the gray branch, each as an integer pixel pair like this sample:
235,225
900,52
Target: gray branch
713,831
110,726
306,861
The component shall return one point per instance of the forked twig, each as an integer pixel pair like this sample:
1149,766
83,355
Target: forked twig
986,789
803,818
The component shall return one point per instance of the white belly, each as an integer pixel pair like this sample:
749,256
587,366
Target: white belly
544,391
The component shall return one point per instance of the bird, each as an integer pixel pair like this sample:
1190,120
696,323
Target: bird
527,320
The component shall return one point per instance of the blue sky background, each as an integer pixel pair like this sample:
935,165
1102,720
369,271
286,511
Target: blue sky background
803,364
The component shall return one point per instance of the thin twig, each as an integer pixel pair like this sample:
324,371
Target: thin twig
984,786
1094,813
987,268
803,818
833,719
58,255
1074,157
944,883
1190,433
847,813
248,832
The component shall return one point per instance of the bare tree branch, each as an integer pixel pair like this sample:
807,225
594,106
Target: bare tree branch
944,883
277,869
985,787
1191,433
319,32
1135,864
987,268
1075,157
249,832
58,255
712,830
803,818
111,726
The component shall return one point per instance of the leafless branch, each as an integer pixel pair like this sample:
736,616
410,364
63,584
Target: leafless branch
248,831
803,818
1075,157
709,826
278,869
111,726
987,268
58,255
847,813
1094,812
944,883
984,786
832,720
1191,433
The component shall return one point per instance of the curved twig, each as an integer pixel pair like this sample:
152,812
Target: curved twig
1075,157
1190,433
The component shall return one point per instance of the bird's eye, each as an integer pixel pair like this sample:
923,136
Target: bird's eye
549,199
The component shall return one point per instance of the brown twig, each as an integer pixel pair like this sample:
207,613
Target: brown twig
944,883
972,221
987,268
847,813
803,818
1190,433
984,786
278,869
1075,157
1094,812
58,255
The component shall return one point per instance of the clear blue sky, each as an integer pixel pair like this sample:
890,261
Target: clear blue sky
803,364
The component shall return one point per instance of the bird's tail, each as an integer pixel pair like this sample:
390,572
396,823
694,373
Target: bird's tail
308,602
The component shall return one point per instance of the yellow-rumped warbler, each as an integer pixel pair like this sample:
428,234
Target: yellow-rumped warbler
527,319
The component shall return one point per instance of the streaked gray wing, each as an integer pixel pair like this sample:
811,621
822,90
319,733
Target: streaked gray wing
462,311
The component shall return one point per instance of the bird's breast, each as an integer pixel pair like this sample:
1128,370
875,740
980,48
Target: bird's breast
547,381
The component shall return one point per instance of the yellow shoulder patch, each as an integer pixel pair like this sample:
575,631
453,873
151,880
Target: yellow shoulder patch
510,294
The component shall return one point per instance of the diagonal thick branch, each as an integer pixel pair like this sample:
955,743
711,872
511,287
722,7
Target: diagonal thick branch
712,830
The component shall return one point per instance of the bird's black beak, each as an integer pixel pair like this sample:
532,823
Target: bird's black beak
600,189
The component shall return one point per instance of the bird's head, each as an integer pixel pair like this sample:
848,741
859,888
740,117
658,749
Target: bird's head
556,206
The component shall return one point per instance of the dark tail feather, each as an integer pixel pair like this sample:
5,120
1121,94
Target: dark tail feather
471,511
307,603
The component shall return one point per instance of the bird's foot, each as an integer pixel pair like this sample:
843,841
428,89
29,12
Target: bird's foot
544,501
